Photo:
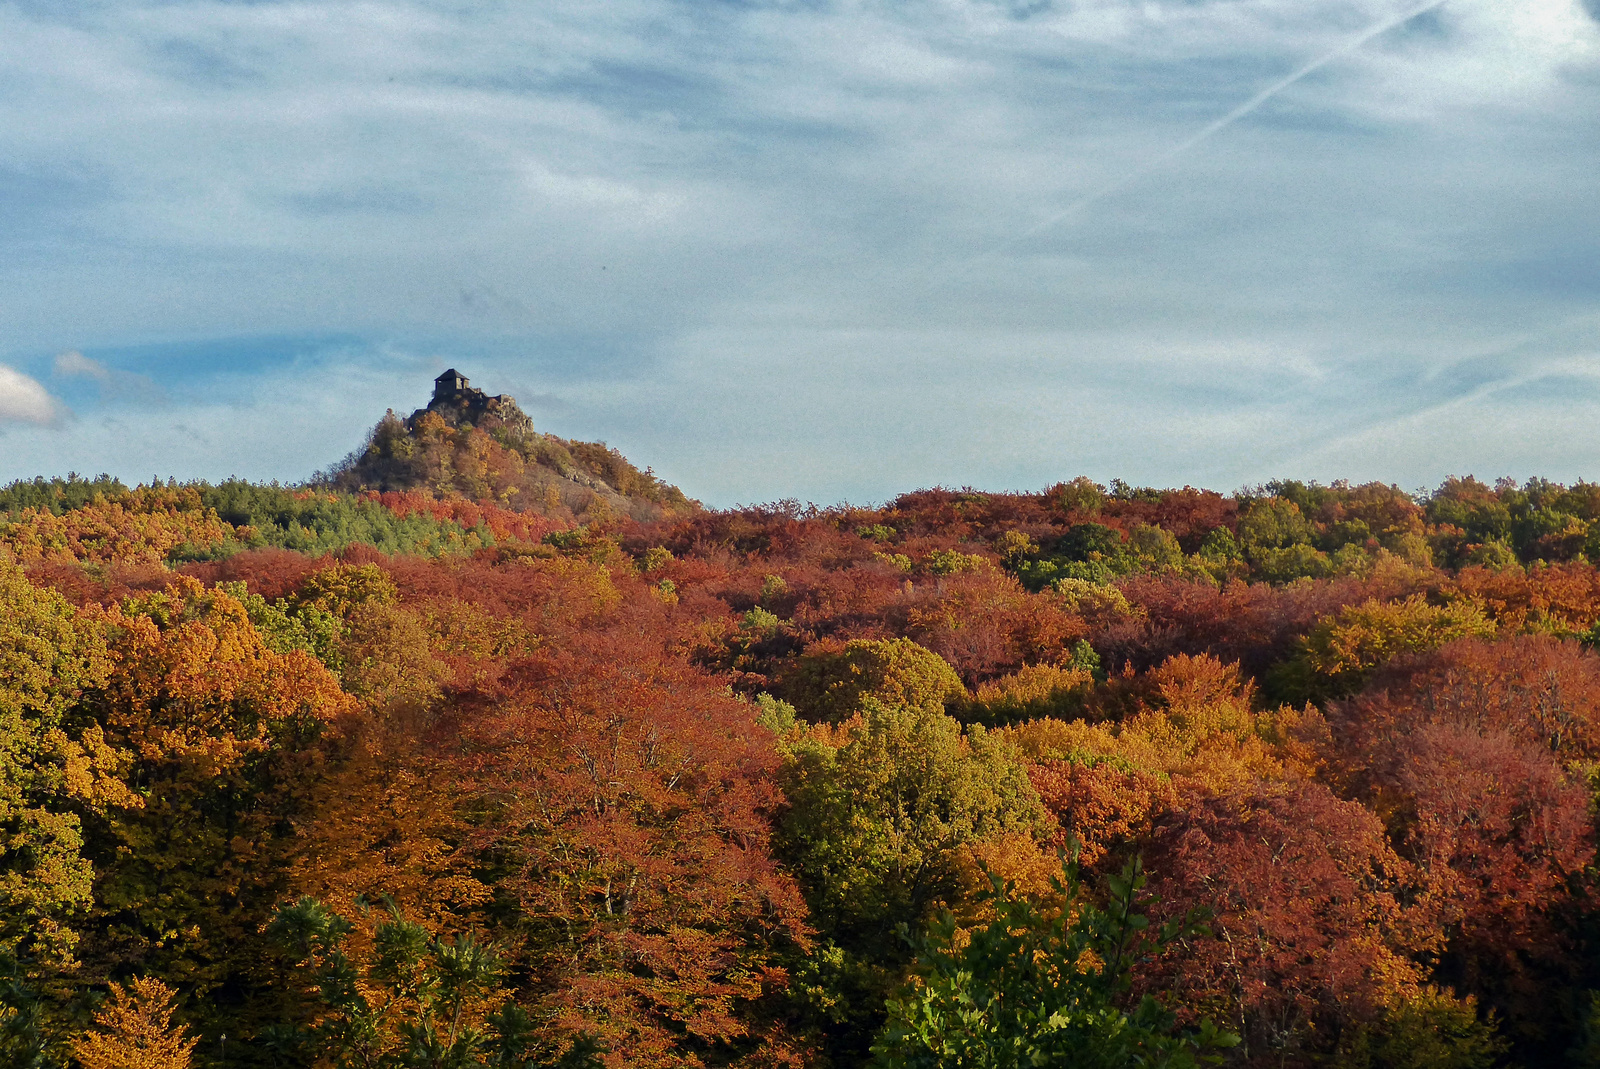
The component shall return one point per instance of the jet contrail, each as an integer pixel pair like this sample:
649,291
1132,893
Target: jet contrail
1211,130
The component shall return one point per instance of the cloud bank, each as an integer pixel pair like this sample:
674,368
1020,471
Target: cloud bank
829,249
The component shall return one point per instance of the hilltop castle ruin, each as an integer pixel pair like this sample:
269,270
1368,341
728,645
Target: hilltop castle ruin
460,404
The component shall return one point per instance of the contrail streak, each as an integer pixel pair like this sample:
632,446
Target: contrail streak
1214,128
1584,361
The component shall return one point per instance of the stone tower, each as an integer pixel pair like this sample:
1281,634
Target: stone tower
448,386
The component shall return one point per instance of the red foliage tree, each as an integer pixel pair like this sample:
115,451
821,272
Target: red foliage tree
1499,831
1307,908
1537,688
1252,623
1473,755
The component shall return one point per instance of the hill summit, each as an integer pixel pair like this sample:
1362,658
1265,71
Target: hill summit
460,404
468,443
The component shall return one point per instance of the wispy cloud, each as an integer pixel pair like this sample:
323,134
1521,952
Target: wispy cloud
1241,111
113,383
74,364
663,210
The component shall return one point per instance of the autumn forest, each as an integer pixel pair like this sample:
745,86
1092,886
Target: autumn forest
485,748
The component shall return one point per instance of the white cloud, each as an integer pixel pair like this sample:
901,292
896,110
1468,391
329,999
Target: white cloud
23,400
283,424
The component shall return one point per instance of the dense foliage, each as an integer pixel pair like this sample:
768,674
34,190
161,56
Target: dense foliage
427,773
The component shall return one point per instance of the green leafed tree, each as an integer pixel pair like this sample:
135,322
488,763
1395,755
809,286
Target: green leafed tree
885,810
412,1000
880,806
1037,986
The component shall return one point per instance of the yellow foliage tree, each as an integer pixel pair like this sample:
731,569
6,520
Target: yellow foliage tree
224,735
1107,782
49,654
1343,649
831,681
1032,692
134,1030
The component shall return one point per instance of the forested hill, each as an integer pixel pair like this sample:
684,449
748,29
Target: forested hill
525,471
468,444
424,485
413,767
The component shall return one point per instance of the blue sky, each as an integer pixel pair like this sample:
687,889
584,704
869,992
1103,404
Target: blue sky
826,250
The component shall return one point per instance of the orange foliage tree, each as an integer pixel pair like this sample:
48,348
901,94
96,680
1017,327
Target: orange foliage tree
146,527
632,800
134,1030
222,735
